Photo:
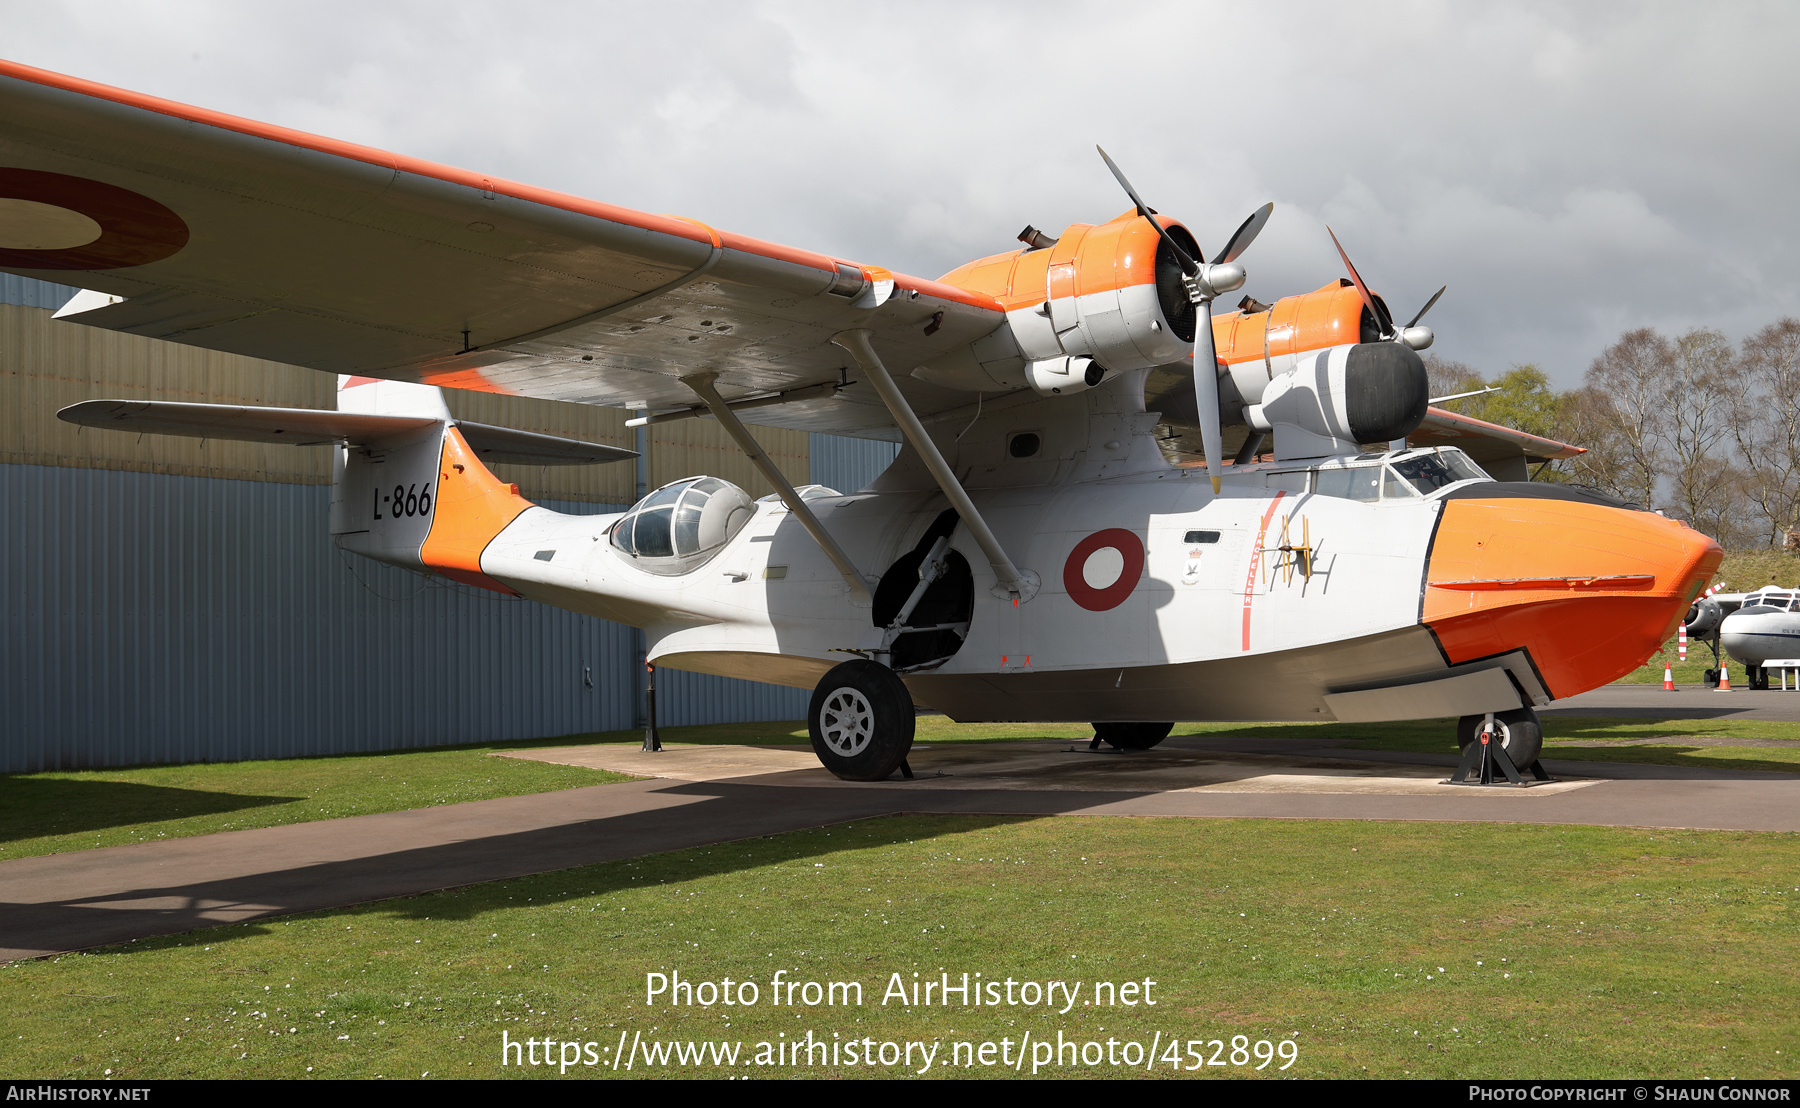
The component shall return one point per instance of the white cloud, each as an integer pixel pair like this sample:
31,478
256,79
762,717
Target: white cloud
1571,171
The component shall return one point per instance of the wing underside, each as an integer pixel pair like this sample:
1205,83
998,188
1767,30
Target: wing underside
314,427
1502,451
237,236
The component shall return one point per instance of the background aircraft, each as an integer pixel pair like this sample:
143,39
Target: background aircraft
1753,627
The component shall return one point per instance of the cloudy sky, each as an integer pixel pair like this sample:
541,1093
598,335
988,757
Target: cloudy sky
1571,171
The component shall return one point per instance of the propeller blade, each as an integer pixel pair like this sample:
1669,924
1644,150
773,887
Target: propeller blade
1206,392
1245,234
1356,278
1189,265
1434,299
1143,208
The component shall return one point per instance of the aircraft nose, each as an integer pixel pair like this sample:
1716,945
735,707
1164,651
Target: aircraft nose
1735,641
1755,634
1590,590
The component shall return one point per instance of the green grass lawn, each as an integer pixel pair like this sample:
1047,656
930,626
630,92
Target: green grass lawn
1577,738
1385,949
47,813
1691,673
1742,571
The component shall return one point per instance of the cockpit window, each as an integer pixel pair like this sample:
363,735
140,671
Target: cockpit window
1430,472
1780,601
1395,487
1361,483
679,527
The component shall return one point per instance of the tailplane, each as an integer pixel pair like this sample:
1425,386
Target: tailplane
409,484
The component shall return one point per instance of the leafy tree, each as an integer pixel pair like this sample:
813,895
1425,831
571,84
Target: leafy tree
1525,402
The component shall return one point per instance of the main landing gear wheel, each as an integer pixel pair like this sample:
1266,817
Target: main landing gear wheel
1132,736
861,721
1521,735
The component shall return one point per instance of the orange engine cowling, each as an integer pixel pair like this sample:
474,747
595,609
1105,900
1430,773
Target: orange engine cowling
1258,347
1103,299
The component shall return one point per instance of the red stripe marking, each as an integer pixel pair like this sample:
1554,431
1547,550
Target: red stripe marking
1256,564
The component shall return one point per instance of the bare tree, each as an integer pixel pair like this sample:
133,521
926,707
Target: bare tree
1626,411
1448,378
1701,396
1589,420
1766,425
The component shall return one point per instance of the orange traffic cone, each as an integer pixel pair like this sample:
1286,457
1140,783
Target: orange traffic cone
1668,680
1724,679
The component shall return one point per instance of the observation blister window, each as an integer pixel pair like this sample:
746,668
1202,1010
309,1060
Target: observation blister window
679,527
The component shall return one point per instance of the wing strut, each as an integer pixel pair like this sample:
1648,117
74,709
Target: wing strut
702,384
1019,585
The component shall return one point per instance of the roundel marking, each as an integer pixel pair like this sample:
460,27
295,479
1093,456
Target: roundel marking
1120,547
56,221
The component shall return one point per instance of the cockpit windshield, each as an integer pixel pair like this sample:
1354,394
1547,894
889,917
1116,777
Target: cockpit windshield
1780,600
1407,477
1430,472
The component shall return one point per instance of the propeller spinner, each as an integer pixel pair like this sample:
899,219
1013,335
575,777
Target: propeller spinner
1412,335
1205,283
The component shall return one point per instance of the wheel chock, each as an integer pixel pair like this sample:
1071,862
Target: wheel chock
1482,756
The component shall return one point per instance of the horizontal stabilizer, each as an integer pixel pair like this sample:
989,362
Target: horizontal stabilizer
312,427
504,444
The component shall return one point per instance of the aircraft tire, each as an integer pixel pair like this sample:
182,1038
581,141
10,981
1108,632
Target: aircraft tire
1521,734
1132,736
861,721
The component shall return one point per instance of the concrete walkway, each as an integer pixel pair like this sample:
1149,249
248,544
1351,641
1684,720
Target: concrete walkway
91,898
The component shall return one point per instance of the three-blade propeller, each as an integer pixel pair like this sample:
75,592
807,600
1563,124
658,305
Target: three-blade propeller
1205,283
1412,334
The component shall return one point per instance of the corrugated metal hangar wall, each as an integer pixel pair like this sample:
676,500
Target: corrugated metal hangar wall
166,600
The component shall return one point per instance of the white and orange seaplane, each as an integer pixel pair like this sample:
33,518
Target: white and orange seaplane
1032,554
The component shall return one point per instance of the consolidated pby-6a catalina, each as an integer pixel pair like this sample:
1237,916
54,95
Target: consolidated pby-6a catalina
1032,554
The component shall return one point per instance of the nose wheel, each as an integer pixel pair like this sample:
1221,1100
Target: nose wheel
861,721
1505,743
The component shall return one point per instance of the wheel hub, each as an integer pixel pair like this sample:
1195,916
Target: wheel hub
847,722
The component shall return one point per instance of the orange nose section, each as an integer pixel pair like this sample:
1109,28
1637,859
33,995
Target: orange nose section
1590,591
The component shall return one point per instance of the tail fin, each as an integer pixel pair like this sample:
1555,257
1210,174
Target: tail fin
408,489
374,396
422,500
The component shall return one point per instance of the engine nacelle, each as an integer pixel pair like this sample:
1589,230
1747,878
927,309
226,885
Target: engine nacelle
1259,347
1110,293
1338,398
1704,617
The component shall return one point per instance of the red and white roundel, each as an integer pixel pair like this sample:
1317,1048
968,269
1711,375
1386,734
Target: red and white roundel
1103,569
58,222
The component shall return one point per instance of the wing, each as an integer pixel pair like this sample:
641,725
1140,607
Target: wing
315,427
1502,451
225,233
